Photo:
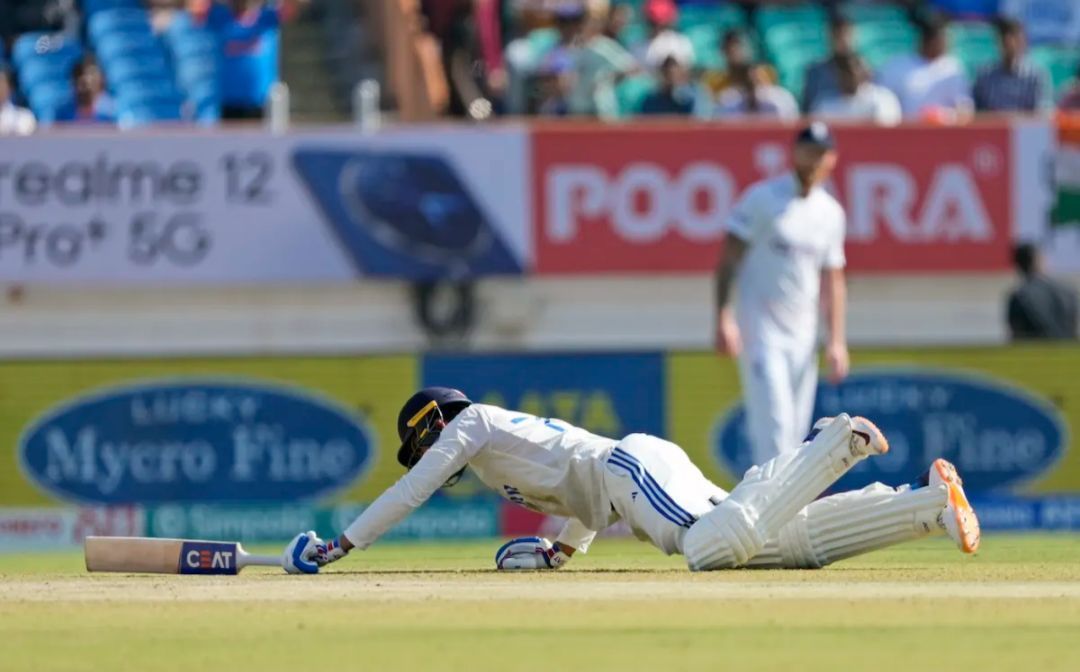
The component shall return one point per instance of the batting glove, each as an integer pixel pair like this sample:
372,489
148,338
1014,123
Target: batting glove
327,552
301,553
530,553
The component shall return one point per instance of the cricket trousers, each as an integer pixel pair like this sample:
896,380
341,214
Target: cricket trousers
779,383
657,490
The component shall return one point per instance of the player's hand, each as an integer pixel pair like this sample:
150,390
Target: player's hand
728,338
836,356
300,555
530,553
327,552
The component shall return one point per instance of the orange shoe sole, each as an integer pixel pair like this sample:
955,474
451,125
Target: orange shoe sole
967,523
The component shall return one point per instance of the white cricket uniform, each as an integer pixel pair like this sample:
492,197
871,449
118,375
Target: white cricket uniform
790,240
555,468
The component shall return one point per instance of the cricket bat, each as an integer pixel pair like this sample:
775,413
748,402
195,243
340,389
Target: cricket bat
170,556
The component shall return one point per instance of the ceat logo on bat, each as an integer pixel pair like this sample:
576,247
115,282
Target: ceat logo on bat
917,199
203,557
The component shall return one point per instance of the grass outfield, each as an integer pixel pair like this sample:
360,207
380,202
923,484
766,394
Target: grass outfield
1016,606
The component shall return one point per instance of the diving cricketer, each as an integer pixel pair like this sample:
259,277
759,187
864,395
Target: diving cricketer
770,519
784,247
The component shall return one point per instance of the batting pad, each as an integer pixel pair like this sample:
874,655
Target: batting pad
769,496
853,523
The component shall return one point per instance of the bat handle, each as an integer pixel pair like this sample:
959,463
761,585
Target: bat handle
246,559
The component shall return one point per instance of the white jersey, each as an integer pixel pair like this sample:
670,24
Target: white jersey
545,465
790,239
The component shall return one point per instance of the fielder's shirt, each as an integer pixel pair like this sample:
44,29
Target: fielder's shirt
790,239
545,465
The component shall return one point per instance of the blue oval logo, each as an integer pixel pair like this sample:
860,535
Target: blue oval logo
195,440
996,434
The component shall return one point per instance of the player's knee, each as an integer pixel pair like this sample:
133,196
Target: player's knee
724,538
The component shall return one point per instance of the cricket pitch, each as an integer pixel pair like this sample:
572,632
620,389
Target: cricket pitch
1015,606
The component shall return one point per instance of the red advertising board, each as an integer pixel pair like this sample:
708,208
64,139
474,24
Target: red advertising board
654,198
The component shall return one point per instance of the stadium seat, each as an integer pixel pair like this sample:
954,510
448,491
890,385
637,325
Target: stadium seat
145,114
38,70
118,21
142,93
720,17
1060,64
975,57
192,71
969,33
631,93
114,46
45,45
138,69
796,40
808,15
194,44
91,7
706,41
52,101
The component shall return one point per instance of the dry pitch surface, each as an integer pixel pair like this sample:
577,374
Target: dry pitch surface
1016,606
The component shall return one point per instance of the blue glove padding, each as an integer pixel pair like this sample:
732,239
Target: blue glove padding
300,555
530,553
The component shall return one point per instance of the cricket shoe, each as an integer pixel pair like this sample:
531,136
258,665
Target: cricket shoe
958,518
867,438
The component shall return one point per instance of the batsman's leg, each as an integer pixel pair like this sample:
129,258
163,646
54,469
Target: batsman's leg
853,523
771,494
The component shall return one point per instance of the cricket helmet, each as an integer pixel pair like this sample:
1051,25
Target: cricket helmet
423,417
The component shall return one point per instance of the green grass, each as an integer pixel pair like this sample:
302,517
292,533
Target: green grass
1015,606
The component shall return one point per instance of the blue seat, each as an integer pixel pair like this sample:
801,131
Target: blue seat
120,21
193,71
143,93
52,101
45,45
115,46
204,102
124,70
195,44
91,7
38,70
145,114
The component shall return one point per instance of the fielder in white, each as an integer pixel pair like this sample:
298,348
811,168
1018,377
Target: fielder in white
785,241
770,519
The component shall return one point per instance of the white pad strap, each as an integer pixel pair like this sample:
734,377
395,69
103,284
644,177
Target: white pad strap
769,496
853,523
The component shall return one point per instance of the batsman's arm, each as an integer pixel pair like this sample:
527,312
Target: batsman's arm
439,463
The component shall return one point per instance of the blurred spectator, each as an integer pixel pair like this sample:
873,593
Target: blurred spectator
467,72
664,41
1070,100
1015,84
248,30
1046,21
599,64
92,103
552,85
1040,308
857,98
618,19
14,120
752,94
930,84
674,94
736,53
821,77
